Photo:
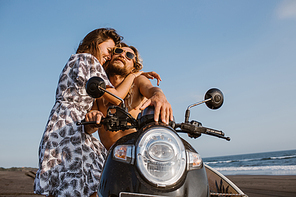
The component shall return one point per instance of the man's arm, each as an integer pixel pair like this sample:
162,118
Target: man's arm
156,98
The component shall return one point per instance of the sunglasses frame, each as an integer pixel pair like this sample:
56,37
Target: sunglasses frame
126,53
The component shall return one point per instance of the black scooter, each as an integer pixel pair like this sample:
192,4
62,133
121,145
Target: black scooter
155,160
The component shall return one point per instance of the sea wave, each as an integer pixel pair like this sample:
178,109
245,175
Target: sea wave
268,163
251,159
284,157
273,170
246,168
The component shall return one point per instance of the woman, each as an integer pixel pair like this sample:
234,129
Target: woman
70,160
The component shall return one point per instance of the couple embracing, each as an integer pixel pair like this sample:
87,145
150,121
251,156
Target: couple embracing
70,158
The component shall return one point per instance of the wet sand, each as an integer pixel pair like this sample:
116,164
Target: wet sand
265,185
18,184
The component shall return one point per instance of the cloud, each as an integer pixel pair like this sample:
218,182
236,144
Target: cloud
287,9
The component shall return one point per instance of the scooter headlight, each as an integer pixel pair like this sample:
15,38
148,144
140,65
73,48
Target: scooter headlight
161,156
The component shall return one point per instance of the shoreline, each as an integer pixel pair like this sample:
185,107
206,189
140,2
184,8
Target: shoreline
17,182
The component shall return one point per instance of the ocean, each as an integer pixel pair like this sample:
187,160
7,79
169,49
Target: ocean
268,163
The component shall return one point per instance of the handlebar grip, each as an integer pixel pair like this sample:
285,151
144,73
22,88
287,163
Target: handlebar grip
83,122
197,130
215,131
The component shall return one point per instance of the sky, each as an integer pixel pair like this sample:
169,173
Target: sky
245,48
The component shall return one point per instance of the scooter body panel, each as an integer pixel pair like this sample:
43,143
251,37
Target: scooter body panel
120,177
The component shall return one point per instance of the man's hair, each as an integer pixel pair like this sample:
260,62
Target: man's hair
138,63
90,43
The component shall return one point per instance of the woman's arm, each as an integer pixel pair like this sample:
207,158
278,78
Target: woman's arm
122,89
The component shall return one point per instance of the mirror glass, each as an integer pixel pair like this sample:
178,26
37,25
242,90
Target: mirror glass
217,100
92,87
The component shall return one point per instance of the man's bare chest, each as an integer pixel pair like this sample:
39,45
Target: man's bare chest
134,98
133,101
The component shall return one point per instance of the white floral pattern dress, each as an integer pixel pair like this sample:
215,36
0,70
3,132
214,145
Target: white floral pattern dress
70,161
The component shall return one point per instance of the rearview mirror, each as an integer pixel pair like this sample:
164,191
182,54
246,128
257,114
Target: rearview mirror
217,98
95,87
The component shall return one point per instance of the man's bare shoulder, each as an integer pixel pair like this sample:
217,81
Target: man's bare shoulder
141,80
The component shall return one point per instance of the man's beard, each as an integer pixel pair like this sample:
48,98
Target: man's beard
112,70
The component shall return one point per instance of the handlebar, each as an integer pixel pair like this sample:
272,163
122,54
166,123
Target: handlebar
117,120
122,120
195,130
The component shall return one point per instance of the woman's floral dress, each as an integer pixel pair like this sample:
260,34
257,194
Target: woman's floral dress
70,161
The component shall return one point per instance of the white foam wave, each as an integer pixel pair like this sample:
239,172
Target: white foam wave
259,170
252,159
284,157
252,168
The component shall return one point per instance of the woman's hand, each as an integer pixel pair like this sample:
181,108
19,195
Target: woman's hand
96,116
137,73
152,75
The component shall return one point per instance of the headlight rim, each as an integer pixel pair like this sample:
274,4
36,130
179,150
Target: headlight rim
169,183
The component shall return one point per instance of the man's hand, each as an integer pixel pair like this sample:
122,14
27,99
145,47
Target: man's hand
161,105
96,116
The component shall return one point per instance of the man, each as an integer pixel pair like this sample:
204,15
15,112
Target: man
124,61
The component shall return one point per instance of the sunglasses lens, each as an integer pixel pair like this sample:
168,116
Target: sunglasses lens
130,55
118,50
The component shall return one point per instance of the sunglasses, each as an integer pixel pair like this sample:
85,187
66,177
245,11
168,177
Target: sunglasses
128,54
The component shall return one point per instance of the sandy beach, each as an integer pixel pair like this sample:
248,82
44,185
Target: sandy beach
16,182
265,185
19,183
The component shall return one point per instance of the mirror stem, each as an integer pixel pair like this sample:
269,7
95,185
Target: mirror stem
201,102
187,114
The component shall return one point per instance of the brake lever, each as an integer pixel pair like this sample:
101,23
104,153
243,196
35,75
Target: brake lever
216,133
196,130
